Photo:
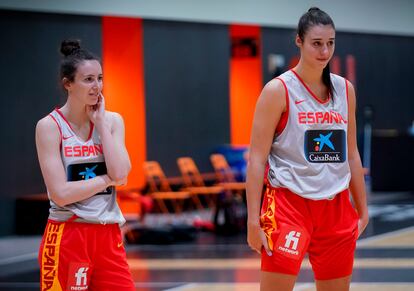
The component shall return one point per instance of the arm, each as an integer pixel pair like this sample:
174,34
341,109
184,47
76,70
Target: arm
60,190
357,184
269,108
111,130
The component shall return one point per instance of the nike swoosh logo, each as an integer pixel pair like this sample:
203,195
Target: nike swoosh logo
299,101
120,244
67,137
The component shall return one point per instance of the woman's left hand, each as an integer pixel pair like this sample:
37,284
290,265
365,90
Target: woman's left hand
96,112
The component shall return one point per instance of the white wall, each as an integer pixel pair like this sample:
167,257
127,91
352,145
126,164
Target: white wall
371,16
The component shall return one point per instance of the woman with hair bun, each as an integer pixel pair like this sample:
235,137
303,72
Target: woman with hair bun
82,156
304,140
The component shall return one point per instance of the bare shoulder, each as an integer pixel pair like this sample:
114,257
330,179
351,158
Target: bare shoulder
47,131
47,125
275,86
274,93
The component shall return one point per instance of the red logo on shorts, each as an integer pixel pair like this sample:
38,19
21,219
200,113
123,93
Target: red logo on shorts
78,276
291,242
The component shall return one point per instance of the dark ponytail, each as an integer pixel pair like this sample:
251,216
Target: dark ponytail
313,17
326,79
73,55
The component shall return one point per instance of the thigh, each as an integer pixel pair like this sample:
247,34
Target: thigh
339,284
269,281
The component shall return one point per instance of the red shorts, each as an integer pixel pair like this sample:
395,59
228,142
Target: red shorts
83,256
326,229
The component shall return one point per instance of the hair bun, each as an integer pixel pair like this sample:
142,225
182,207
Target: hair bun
69,47
313,9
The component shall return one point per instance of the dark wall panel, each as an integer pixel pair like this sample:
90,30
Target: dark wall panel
29,68
383,71
277,41
187,91
384,77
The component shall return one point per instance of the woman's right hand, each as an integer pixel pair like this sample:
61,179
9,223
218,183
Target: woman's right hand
256,238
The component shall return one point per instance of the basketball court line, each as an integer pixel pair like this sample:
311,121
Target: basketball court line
396,239
298,287
253,264
187,247
364,287
167,285
184,286
18,259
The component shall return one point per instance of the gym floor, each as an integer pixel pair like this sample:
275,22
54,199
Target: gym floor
384,257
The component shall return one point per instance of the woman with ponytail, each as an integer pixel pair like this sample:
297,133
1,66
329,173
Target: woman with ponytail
303,148
82,156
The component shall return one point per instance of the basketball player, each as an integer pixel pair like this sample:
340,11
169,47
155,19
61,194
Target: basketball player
304,129
83,157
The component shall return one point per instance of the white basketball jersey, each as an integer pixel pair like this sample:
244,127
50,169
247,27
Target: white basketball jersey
309,157
84,160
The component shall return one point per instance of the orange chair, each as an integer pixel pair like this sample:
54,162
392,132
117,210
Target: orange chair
225,175
160,189
194,183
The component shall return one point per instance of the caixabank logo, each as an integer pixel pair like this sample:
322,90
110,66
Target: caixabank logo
325,146
86,171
